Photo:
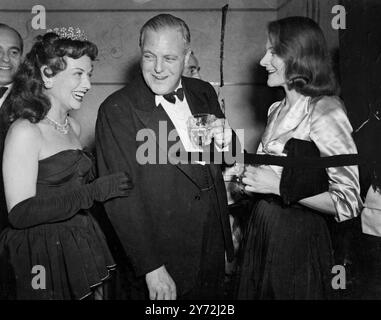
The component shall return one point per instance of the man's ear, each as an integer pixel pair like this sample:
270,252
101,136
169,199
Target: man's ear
46,75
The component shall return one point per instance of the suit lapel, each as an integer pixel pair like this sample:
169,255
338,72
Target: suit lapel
152,117
3,115
155,118
196,104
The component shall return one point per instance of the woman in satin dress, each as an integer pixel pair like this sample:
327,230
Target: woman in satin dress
288,252
53,248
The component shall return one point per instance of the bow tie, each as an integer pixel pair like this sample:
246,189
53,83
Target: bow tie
2,91
170,97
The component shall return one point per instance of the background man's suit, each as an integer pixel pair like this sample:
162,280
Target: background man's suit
172,209
3,132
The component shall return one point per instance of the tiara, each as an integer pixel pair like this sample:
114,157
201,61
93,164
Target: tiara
69,33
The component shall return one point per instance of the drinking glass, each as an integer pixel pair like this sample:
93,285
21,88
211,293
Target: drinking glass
234,176
199,126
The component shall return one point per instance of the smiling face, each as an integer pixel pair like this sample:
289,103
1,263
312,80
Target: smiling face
275,67
164,55
10,55
69,86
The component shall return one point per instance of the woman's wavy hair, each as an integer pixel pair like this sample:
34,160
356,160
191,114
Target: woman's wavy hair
27,99
300,42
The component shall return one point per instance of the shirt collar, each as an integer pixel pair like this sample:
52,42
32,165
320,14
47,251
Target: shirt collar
9,86
159,99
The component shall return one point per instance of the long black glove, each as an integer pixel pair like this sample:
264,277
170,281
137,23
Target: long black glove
53,207
299,183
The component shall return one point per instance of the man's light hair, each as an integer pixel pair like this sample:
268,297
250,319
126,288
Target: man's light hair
165,21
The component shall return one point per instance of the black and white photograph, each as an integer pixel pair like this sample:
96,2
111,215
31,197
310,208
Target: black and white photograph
205,151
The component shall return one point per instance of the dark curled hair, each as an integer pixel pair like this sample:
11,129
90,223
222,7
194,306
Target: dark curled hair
27,99
300,42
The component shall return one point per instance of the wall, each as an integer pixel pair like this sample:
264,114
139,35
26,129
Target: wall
319,10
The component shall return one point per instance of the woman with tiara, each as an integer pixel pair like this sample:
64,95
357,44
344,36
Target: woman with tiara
53,249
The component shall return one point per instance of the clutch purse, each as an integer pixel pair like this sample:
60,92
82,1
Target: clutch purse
301,182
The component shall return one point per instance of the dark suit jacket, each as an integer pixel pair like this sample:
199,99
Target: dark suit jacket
3,132
161,222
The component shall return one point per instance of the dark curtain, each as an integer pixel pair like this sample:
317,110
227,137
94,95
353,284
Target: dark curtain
360,73
360,59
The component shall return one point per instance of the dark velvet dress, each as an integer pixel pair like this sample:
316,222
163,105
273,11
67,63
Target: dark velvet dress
74,252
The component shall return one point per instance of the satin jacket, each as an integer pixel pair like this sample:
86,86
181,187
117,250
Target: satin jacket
324,121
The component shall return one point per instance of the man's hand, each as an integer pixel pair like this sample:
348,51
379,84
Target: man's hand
161,285
221,132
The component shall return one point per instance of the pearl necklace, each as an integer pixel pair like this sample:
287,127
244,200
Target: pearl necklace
62,128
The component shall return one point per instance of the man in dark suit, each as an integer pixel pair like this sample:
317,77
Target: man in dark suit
11,47
174,226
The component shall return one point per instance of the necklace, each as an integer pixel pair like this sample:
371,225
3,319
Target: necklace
62,128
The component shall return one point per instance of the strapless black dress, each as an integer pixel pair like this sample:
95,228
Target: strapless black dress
73,253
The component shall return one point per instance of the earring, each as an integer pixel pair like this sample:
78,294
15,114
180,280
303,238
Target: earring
48,84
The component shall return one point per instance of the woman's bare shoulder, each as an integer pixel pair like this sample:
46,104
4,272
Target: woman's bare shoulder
22,131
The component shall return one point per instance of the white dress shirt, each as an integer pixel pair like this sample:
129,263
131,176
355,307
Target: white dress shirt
179,113
9,86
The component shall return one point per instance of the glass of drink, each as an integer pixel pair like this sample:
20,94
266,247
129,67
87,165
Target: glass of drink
233,176
239,174
199,126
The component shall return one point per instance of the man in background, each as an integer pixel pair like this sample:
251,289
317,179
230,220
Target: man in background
192,67
11,48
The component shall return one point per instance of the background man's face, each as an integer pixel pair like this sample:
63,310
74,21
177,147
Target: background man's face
163,59
192,68
10,55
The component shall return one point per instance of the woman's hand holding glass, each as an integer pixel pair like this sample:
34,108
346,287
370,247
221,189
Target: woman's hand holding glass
261,179
233,181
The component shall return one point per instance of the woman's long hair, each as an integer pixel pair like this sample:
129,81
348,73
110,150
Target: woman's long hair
27,99
300,42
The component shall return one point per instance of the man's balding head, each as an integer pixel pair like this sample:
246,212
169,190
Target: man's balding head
11,48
